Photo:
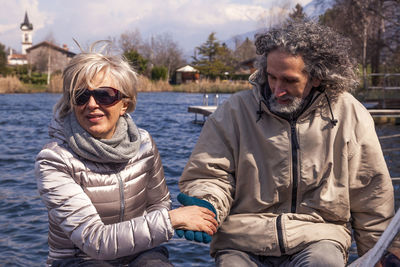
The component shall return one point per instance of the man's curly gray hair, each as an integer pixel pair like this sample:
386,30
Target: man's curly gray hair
325,53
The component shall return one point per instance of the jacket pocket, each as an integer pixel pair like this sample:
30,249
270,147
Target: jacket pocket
255,233
300,230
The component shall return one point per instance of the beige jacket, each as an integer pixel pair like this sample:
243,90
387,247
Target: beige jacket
102,211
275,194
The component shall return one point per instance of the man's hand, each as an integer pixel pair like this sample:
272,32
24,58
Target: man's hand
391,259
199,236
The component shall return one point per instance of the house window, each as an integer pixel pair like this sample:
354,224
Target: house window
26,38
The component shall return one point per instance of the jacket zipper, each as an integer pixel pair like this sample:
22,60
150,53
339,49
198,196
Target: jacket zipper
122,198
280,234
295,147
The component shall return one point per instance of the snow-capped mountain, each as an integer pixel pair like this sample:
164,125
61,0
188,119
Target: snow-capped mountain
313,10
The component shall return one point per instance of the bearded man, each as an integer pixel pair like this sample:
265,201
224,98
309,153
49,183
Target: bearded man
294,166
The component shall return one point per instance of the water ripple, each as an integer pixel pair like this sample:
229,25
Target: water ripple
23,125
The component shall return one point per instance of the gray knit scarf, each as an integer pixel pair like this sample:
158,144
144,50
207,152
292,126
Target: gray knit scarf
120,148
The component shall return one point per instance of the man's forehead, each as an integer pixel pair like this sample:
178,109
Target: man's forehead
284,62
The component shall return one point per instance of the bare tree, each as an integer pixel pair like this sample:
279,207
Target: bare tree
275,16
130,41
162,50
159,50
373,26
50,38
246,50
46,59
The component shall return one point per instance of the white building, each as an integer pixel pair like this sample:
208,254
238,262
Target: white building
26,28
26,34
16,59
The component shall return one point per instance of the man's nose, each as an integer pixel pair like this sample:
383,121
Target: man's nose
279,92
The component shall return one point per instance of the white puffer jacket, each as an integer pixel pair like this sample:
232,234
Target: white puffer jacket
102,211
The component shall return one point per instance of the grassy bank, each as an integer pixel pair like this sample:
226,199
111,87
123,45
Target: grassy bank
203,86
208,86
11,84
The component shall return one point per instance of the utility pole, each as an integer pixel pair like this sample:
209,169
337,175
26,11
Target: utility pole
48,66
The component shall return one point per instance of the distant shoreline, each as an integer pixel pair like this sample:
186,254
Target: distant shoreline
139,91
144,85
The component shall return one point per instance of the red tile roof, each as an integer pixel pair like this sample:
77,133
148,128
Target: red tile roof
17,56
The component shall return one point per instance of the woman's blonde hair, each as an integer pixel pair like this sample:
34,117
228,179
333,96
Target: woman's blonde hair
82,69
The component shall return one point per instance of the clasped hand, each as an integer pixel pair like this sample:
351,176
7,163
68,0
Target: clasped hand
197,219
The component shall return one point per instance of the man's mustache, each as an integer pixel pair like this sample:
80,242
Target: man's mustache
283,98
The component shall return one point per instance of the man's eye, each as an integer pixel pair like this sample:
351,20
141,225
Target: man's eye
291,81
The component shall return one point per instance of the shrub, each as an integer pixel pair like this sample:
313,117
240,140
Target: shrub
159,73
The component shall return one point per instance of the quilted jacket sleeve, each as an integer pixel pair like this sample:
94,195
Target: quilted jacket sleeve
157,191
73,211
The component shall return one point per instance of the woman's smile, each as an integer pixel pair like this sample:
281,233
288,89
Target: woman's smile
94,117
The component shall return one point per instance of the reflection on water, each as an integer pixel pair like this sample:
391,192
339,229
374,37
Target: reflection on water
23,131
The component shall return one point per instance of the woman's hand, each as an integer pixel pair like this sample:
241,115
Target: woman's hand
194,218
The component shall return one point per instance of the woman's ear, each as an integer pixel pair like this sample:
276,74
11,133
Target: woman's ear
125,106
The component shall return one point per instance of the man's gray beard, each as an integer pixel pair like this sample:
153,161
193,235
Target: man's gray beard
288,109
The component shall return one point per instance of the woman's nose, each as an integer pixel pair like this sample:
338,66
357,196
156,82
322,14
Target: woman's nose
92,102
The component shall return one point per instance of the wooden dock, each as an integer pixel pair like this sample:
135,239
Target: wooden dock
381,116
202,110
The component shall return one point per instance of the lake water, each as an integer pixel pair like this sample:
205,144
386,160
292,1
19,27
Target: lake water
23,131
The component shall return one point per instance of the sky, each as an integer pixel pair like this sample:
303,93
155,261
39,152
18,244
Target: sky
189,22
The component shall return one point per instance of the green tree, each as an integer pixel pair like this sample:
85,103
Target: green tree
226,57
213,59
209,49
297,14
136,60
3,59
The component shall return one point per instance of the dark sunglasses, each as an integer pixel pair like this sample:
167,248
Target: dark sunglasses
103,96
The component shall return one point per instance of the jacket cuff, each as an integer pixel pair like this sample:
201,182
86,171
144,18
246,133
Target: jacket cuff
170,229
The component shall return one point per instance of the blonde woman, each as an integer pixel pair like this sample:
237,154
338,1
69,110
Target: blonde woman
101,177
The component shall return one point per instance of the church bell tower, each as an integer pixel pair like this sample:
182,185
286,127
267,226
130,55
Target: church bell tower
26,28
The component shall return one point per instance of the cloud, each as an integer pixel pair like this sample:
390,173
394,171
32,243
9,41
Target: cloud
12,15
95,20
7,27
188,21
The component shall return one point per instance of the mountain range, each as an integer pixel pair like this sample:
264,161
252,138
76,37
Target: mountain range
313,10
